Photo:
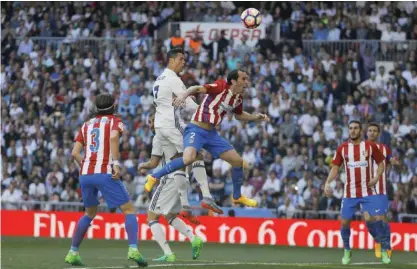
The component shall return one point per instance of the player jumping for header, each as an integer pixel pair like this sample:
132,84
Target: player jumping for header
358,157
99,137
169,128
373,132
221,97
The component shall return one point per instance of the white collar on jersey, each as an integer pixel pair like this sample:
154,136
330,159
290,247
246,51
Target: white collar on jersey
171,71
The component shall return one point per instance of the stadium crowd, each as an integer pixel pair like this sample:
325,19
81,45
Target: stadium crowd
48,91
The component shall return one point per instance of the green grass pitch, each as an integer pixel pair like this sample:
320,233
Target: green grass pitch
31,253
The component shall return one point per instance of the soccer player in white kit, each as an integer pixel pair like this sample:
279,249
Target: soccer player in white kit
169,127
166,201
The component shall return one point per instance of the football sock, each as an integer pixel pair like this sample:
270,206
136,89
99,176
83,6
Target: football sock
171,167
80,231
345,233
159,236
388,233
373,230
181,227
131,226
199,171
382,233
181,182
237,178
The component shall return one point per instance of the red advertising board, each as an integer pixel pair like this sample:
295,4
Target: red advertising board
286,232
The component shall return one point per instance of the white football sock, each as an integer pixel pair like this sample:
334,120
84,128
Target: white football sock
160,237
199,171
181,227
181,181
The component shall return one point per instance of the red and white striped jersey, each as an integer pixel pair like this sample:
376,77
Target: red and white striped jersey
94,134
218,101
358,161
381,186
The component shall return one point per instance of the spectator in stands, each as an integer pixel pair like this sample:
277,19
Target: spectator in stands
412,201
48,87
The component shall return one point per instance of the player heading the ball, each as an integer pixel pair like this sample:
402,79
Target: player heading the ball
221,97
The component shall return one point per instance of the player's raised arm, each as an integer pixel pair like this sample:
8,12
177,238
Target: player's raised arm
212,88
245,116
180,100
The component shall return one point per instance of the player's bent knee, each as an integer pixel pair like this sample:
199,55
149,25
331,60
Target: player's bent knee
128,208
189,157
238,162
91,212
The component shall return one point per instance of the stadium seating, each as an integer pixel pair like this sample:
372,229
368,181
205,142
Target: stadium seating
334,62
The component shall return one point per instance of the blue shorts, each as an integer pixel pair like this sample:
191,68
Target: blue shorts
210,140
113,191
384,201
373,204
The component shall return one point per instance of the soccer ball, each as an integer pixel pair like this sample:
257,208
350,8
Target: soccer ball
251,18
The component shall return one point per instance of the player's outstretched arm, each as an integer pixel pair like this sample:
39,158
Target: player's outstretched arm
245,116
115,153
151,164
180,100
76,152
332,176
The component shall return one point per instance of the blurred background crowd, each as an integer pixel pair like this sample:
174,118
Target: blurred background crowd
48,90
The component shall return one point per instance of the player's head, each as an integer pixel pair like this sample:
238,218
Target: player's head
176,60
373,131
104,104
151,122
238,80
355,128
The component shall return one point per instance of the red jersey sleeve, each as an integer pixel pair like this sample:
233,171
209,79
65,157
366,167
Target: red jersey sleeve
118,125
338,158
79,137
377,154
216,87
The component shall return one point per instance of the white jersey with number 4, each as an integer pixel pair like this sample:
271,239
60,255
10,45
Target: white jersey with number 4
167,86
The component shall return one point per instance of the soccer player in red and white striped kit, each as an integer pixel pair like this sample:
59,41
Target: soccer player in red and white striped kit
358,157
373,132
100,171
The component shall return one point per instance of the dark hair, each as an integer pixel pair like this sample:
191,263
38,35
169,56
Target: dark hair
233,75
356,121
375,125
104,104
174,52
